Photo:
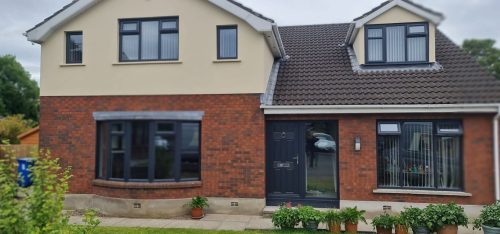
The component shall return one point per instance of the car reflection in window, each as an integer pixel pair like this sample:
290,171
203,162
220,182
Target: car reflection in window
324,142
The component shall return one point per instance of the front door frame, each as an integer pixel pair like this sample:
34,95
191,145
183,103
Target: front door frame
276,200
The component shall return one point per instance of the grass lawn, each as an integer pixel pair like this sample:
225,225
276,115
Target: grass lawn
113,230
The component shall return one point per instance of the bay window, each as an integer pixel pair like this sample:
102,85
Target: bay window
397,43
420,155
140,150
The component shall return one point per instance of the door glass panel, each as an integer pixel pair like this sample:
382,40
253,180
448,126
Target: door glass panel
139,151
321,160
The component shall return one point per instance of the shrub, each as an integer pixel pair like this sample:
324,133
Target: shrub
353,215
90,221
286,218
333,217
401,220
415,217
308,214
198,202
12,219
449,214
385,221
490,216
13,126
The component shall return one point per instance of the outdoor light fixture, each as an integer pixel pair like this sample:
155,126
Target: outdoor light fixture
357,144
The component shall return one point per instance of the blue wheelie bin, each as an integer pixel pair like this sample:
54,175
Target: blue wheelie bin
24,171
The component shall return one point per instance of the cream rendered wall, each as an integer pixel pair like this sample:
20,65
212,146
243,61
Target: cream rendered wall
197,71
393,16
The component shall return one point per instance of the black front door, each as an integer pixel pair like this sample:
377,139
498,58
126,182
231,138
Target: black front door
302,163
284,164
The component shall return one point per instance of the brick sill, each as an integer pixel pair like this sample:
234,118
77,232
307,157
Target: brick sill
145,185
422,192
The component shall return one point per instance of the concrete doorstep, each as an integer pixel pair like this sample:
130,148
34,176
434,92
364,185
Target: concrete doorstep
214,222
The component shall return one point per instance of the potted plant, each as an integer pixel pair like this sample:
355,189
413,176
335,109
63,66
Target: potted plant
197,205
383,223
351,218
445,219
401,224
489,219
417,220
310,218
286,218
334,219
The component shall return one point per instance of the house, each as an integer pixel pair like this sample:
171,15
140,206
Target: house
153,102
30,137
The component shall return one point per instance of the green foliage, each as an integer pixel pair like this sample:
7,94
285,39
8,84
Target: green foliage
490,216
485,53
401,220
286,218
13,126
198,202
353,215
415,217
449,214
11,215
384,221
333,217
309,214
91,223
18,93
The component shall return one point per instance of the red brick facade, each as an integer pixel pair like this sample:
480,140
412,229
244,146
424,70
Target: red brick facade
233,147
233,155
358,170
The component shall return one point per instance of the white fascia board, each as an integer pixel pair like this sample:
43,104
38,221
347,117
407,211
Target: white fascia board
256,22
40,33
381,109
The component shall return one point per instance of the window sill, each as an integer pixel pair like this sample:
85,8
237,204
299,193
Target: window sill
422,192
227,61
146,185
147,62
73,65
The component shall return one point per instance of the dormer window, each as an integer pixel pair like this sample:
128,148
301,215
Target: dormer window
397,44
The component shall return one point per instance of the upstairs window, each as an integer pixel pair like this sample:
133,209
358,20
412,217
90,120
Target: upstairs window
149,39
397,43
227,42
74,46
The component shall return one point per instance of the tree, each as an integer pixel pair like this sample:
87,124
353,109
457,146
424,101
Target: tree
485,53
18,93
13,126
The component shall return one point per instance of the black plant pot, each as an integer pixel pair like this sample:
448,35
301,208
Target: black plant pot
311,226
421,230
491,230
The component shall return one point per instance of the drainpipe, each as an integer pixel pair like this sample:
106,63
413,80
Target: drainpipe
496,152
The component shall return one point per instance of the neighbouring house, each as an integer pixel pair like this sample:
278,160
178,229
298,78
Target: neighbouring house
30,137
152,102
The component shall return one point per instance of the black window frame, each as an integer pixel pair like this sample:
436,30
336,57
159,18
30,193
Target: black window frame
436,136
153,131
137,32
68,43
222,27
384,43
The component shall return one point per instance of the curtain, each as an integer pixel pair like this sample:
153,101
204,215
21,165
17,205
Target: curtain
395,39
418,160
417,49
448,162
130,47
375,50
170,46
389,170
149,40
228,43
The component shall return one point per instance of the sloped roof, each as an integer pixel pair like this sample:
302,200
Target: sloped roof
319,72
407,1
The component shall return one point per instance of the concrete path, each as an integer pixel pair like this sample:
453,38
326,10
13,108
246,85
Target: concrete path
213,222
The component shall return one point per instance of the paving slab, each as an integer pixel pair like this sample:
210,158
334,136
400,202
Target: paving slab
233,226
260,223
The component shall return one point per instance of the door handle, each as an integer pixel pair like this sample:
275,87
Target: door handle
297,159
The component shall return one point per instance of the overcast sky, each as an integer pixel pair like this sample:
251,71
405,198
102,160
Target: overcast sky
464,19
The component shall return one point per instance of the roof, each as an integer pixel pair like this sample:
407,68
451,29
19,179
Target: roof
251,11
407,1
319,72
53,15
29,133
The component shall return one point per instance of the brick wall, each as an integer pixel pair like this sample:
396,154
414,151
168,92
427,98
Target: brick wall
233,155
358,169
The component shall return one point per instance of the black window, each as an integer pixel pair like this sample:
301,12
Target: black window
420,155
149,39
149,151
74,46
397,43
227,42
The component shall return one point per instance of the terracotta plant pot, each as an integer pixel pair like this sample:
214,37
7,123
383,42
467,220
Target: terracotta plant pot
197,213
384,230
351,227
401,229
334,227
448,229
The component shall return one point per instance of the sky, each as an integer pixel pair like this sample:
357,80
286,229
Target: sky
464,19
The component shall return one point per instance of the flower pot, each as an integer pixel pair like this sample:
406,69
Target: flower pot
311,225
448,229
421,230
491,230
334,227
351,227
197,213
381,230
401,229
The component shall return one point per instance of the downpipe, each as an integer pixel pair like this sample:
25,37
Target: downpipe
496,154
